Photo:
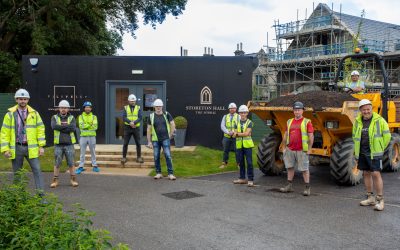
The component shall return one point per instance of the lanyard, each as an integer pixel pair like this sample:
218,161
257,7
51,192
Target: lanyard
20,116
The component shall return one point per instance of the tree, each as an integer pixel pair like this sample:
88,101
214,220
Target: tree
71,27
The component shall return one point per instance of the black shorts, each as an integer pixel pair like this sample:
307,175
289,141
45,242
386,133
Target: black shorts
365,163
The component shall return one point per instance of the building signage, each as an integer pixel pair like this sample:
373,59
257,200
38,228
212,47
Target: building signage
205,107
64,92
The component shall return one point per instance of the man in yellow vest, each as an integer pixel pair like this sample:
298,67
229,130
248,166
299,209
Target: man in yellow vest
244,147
371,137
297,144
87,125
64,126
159,133
132,116
23,136
228,127
356,85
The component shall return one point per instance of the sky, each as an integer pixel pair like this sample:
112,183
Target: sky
221,24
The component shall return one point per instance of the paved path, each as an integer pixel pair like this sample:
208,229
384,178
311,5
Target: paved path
229,216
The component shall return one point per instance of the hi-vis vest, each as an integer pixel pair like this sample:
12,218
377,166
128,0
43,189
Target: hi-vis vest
35,132
132,116
57,133
154,136
304,134
358,84
87,124
230,125
379,135
246,141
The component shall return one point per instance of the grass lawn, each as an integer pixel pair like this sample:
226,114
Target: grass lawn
46,162
202,161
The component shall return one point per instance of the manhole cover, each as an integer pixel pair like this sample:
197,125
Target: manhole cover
181,195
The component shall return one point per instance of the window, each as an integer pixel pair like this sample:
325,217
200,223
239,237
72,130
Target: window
259,80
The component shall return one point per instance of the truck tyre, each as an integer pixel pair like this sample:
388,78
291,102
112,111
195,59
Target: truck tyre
391,157
269,158
343,164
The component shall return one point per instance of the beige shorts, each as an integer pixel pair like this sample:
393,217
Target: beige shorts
298,159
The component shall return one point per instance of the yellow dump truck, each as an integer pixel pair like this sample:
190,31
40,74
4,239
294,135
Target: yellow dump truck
333,142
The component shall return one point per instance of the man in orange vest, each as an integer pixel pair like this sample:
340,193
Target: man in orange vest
297,144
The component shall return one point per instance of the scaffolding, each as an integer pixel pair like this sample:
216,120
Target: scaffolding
308,51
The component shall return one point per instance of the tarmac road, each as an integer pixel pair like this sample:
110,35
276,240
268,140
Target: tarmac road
229,216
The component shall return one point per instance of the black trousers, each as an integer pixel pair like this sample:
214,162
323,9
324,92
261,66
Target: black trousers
128,133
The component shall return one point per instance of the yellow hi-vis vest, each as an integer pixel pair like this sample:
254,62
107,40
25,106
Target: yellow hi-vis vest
304,134
88,124
57,133
358,84
246,141
35,132
230,125
154,136
379,135
132,116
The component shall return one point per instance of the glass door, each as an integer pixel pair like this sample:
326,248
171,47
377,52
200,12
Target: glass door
118,97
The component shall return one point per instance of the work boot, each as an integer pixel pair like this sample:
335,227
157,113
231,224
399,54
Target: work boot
240,181
171,177
74,183
123,160
79,170
286,189
380,203
307,191
370,201
223,165
139,160
158,176
54,184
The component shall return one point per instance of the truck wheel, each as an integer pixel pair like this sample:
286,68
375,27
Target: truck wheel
391,157
269,158
343,164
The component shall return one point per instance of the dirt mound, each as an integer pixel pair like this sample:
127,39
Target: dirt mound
317,100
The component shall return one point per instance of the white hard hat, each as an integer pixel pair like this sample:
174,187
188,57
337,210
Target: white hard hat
364,102
355,73
243,108
22,93
232,105
64,104
132,97
158,103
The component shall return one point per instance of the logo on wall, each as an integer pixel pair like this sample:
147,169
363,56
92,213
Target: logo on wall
205,107
65,92
206,96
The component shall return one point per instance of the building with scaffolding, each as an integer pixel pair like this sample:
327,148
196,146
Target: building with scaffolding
308,51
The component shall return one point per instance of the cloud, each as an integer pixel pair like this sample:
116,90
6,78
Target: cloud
221,24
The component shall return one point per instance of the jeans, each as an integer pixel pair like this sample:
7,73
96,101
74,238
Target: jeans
166,145
21,152
228,144
241,153
83,142
128,132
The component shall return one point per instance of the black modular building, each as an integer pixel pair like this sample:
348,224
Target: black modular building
198,88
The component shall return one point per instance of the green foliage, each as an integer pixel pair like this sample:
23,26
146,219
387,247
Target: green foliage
9,72
180,122
27,223
73,27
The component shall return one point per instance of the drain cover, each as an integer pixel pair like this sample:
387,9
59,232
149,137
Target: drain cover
181,195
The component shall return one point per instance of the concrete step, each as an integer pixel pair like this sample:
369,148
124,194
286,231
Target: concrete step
111,152
117,164
118,157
